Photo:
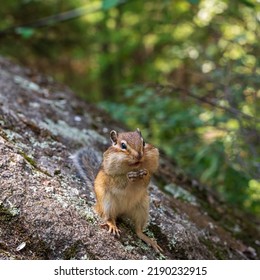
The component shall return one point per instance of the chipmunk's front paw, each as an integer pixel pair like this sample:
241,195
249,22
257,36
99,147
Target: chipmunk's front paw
135,175
142,173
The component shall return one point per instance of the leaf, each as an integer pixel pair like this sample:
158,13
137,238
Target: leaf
194,2
25,32
209,172
201,154
248,3
108,4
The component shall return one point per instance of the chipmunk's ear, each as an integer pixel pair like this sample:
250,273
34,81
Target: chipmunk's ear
113,137
139,132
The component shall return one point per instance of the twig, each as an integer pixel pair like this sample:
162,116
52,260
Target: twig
205,100
53,19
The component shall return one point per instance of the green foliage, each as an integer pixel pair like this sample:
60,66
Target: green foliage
108,4
207,144
194,1
186,72
25,32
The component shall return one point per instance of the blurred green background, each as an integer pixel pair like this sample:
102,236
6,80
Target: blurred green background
186,72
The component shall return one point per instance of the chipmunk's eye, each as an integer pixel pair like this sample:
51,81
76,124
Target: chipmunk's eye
143,143
123,146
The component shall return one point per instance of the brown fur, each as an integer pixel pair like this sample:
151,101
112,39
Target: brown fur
116,193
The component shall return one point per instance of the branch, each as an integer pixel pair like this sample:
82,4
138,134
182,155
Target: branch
208,101
53,19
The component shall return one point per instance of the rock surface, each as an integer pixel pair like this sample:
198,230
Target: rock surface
46,209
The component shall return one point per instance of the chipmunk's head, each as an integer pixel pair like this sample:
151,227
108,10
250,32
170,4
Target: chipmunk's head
130,146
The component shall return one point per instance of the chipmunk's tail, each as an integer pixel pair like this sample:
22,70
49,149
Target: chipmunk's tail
87,162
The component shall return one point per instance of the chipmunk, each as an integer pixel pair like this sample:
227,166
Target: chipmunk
121,185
